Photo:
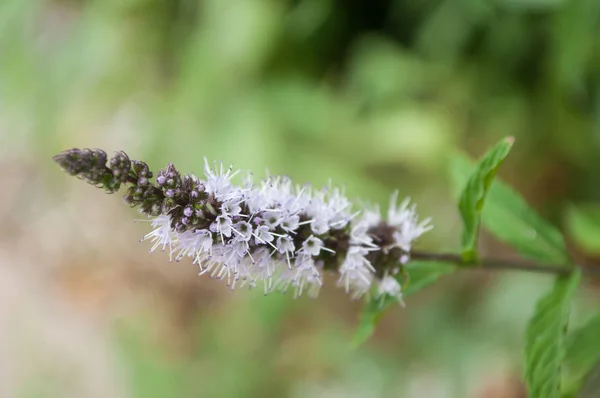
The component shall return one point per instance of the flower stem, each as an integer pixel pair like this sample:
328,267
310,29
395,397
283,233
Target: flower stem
505,264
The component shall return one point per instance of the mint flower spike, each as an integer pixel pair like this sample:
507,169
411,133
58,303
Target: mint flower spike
270,233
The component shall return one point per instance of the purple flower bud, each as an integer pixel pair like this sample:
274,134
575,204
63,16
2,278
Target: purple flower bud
161,180
143,181
188,212
170,193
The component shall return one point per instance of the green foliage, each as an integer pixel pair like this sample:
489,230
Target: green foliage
583,224
473,196
420,274
583,353
545,339
510,219
151,375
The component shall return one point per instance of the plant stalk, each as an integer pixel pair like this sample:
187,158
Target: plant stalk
505,264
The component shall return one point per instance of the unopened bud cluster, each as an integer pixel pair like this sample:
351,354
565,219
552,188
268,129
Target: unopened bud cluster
270,233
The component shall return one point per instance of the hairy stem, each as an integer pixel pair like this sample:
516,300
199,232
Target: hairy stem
505,264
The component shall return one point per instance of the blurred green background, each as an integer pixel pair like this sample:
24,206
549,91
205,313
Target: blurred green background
373,95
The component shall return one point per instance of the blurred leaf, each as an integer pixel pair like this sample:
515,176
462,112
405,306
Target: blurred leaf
545,338
574,38
424,273
510,219
583,224
420,275
415,136
151,374
474,194
591,385
582,353
449,26
536,5
307,17
380,73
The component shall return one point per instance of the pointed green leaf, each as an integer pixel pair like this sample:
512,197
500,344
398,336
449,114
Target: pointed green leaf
509,218
420,275
583,224
583,353
545,346
473,196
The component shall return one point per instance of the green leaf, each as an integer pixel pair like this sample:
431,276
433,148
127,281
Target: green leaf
510,219
583,353
583,224
545,338
473,196
420,275
591,385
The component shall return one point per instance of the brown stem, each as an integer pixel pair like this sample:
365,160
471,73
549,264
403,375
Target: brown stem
502,264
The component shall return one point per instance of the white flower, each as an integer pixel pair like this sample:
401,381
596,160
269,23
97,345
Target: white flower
406,222
257,234
255,200
360,286
162,234
404,259
262,235
356,271
271,218
204,240
359,235
223,226
239,247
319,225
290,223
304,276
262,270
230,209
408,227
218,182
312,246
389,286
398,215
285,244
371,215
244,231
338,206
192,243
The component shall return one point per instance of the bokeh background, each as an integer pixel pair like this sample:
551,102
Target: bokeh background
374,95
